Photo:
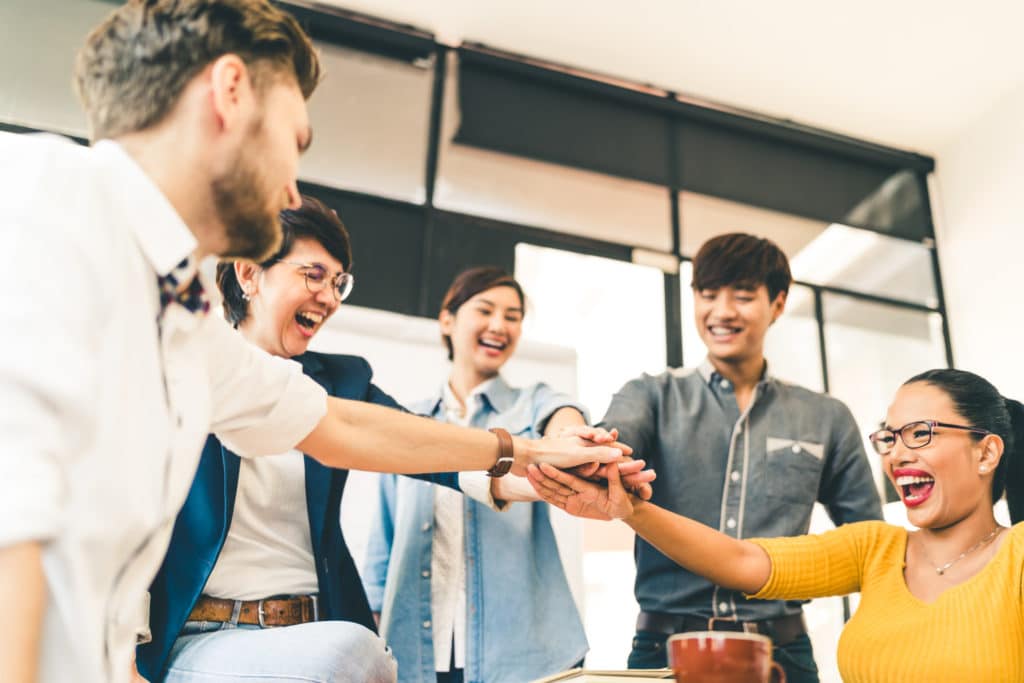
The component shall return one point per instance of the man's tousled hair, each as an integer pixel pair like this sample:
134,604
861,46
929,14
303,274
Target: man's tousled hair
739,259
135,65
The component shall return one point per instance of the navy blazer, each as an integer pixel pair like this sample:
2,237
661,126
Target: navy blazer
203,523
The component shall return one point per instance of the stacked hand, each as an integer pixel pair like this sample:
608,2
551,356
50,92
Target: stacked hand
586,498
590,447
589,481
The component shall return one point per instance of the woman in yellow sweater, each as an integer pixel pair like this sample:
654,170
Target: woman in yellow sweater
943,603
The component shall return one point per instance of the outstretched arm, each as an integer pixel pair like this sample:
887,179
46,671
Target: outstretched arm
569,422
726,561
357,435
22,591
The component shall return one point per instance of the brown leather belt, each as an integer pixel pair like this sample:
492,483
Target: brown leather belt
268,612
782,631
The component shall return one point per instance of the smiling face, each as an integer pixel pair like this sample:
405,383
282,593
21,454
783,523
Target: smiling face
485,329
258,178
732,320
949,480
283,314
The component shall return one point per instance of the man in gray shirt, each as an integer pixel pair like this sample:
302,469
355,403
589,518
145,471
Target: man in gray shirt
740,451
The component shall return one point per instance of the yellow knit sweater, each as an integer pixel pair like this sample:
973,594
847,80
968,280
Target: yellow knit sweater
972,633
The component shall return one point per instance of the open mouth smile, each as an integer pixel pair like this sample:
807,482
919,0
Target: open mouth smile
915,486
309,321
723,331
492,345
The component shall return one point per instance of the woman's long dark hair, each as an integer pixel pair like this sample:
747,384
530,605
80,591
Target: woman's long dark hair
982,406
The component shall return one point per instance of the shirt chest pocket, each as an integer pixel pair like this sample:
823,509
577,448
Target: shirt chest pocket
793,469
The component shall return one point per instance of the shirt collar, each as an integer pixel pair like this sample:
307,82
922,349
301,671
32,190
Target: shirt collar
498,393
495,392
161,234
712,376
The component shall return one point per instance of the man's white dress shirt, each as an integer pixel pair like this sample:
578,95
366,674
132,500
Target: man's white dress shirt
102,415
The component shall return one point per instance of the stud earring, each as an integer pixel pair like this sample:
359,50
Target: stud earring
983,469
246,295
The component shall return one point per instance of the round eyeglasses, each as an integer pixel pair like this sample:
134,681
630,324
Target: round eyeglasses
914,435
317,278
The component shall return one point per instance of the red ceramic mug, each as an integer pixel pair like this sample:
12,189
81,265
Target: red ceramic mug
723,657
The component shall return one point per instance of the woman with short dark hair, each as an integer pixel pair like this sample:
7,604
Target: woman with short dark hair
258,579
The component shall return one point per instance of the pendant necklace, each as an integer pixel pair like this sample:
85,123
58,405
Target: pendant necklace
988,537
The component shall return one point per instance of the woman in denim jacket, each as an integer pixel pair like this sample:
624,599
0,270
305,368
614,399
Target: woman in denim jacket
459,583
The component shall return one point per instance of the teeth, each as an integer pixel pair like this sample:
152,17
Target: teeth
907,481
314,318
492,344
719,330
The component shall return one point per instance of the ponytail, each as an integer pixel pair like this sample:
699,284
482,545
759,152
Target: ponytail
1009,476
982,406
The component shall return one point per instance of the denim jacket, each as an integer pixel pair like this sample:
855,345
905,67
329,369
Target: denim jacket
522,622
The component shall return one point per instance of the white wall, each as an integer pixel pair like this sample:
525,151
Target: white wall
980,233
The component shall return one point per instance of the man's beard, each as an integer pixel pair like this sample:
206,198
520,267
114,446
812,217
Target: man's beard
251,230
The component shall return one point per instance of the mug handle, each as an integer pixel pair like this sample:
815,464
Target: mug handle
778,673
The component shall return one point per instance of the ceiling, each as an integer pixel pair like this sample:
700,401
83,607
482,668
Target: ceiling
907,73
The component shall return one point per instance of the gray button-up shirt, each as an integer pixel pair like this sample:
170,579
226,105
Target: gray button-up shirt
755,474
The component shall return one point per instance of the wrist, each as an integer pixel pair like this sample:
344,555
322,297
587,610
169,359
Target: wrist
506,453
638,506
523,454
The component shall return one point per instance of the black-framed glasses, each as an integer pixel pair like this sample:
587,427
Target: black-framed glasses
914,435
317,278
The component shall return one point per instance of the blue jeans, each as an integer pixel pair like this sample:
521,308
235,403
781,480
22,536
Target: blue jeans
317,652
796,658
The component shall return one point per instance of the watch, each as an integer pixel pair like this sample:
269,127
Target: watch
505,453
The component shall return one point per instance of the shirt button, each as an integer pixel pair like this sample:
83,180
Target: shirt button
731,523
724,384
426,574
426,624
735,476
723,607
796,448
426,526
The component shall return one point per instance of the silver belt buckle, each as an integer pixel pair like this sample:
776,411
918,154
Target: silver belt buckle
712,620
260,614
316,607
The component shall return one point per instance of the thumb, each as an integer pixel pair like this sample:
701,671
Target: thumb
614,480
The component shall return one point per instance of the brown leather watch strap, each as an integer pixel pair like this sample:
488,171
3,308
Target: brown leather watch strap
506,454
